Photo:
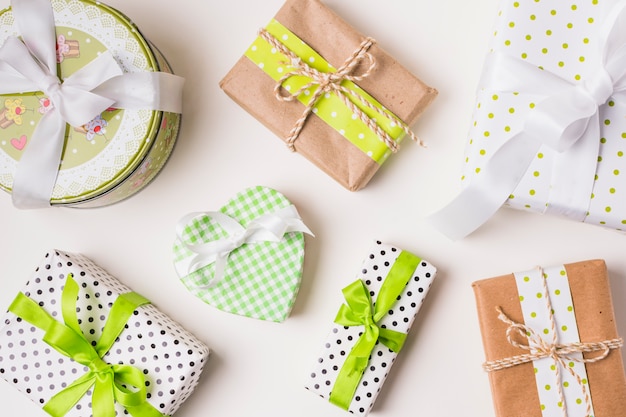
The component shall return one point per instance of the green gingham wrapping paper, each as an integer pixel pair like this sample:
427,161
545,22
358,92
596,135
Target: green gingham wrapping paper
261,280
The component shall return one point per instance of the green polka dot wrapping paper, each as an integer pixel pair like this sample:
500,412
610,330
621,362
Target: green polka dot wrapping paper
245,259
548,132
116,151
553,313
333,137
370,328
169,358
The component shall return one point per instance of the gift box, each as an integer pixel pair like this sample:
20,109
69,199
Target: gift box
370,328
247,258
118,99
78,342
551,342
548,130
332,95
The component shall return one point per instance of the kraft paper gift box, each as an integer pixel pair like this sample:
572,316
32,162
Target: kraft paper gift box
107,131
548,127
247,258
336,139
76,336
579,295
370,328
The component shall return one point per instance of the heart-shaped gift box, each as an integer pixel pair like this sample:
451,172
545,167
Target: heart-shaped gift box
247,258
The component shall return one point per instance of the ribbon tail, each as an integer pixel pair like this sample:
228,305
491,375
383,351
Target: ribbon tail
144,90
61,403
36,173
103,398
487,192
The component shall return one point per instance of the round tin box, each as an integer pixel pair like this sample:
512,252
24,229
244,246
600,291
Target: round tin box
118,152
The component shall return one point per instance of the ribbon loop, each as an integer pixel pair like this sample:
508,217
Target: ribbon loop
599,87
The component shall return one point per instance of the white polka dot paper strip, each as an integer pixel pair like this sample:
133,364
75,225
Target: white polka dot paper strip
246,259
549,133
384,265
551,342
536,310
169,357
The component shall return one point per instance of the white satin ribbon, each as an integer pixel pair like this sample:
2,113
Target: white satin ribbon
270,227
566,120
29,65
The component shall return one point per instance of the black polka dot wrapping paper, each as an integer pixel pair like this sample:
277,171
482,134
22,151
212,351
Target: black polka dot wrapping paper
167,359
345,373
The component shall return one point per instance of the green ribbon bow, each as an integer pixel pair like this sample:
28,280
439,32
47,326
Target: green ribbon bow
359,312
110,382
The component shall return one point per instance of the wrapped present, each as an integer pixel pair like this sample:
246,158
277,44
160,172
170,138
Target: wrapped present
80,343
247,258
83,64
551,342
370,328
332,94
548,132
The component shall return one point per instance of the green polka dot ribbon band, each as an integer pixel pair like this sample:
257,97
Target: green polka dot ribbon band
330,93
246,258
548,131
550,337
370,328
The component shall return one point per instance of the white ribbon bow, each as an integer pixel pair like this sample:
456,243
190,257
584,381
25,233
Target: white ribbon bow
29,65
566,119
270,227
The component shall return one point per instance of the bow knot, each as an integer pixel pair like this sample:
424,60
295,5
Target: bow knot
599,87
98,366
332,81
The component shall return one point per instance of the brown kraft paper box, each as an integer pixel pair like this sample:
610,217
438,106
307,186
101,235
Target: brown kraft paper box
514,389
334,39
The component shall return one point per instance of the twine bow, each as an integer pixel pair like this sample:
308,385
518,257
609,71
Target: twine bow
111,383
331,82
539,348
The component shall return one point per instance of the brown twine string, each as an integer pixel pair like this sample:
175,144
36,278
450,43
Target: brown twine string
560,353
330,82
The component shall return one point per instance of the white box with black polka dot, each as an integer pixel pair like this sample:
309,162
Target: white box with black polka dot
149,362
381,305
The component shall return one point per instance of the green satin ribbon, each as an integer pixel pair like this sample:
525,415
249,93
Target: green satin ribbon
109,382
359,312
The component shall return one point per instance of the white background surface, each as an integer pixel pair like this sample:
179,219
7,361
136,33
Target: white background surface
258,368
